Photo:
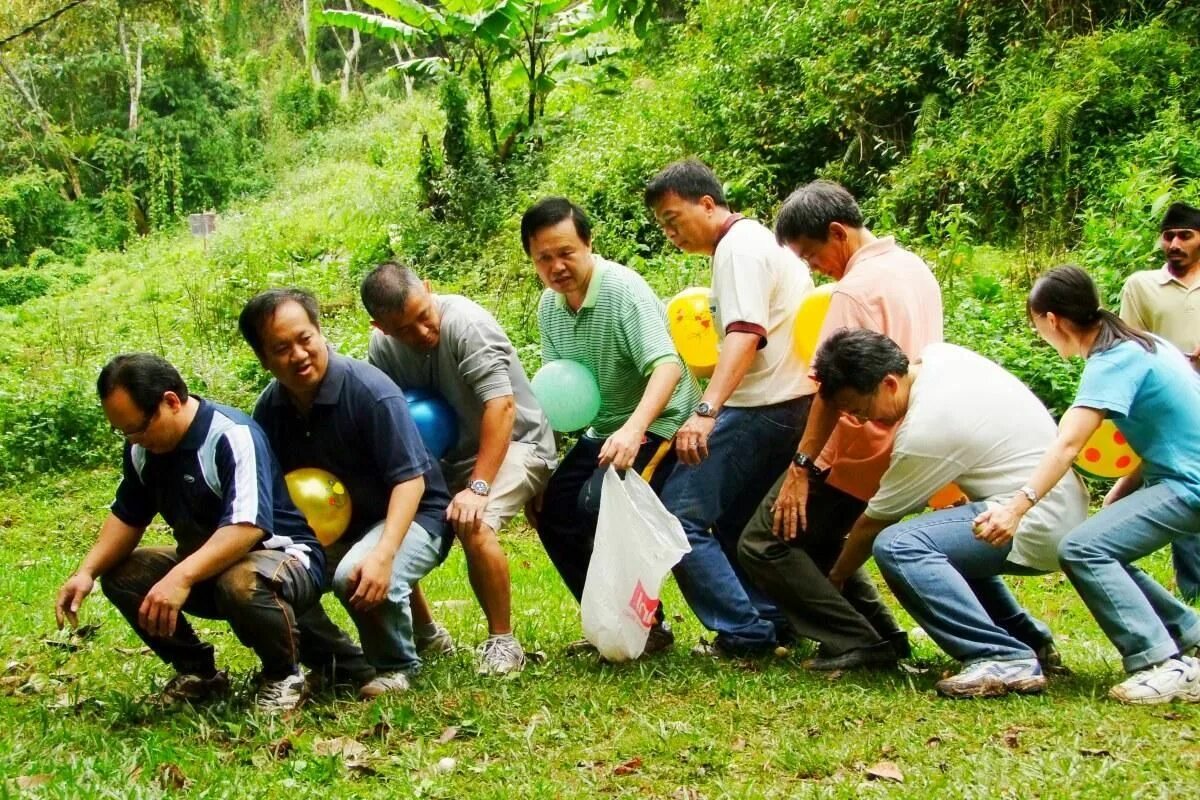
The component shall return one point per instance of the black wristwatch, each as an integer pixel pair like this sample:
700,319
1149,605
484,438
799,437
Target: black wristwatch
706,409
805,463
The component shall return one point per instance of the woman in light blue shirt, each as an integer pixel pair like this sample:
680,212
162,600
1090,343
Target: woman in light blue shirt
1151,393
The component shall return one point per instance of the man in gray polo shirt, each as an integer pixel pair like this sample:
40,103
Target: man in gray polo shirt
505,449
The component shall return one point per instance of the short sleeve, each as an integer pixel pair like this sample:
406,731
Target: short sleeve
908,484
1111,379
742,286
642,330
244,467
134,502
397,449
483,355
545,309
846,312
1132,311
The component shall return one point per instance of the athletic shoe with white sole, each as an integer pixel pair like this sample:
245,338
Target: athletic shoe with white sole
500,655
994,679
187,687
438,642
384,683
1175,678
275,696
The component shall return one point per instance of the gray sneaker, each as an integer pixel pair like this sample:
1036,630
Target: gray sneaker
385,683
438,643
500,655
278,696
187,687
1174,679
994,679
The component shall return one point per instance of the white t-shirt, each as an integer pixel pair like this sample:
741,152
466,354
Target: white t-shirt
758,286
971,422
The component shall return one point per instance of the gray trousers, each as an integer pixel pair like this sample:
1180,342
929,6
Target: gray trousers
793,574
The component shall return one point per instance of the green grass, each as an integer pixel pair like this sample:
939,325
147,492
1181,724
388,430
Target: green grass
685,726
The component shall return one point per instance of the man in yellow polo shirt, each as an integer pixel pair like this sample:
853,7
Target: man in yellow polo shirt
1166,302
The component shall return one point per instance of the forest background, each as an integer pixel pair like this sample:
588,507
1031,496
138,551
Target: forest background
995,137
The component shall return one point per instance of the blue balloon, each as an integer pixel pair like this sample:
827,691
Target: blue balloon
434,418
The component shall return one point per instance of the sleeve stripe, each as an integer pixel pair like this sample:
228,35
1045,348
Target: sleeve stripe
245,475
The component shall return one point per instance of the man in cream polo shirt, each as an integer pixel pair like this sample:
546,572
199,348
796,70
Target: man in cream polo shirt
742,434
1166,302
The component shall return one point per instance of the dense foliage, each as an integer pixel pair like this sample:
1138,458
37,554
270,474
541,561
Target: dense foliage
995,136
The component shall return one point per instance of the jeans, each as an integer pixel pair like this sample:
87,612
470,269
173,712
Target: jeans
1145,622
794,573
259,595
950,583
571,504
1185,556
748,449
385,630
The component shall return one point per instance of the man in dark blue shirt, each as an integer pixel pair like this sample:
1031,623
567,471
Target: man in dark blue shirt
346,417
243,552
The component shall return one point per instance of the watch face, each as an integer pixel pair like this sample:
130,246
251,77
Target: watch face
479,487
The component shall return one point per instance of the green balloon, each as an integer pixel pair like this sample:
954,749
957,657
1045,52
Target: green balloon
568,393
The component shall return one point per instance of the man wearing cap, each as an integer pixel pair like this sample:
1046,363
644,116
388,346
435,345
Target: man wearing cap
504,453
1166,302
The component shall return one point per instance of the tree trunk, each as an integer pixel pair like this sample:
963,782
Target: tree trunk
408,79
489,110
308,36
133,74
350,62
47,129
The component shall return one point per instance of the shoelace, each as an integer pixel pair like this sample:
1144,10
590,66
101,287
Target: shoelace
506,648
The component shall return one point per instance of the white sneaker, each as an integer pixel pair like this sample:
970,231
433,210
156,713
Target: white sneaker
284,694
500,655
438,643
1174,678
994,679
384,683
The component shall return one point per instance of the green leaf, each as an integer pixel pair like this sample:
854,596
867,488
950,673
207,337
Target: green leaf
583,56
410,12
421,67
382,28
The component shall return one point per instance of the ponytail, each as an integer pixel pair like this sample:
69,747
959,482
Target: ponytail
1069,293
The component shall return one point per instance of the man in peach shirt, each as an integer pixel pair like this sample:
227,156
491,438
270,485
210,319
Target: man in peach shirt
797,533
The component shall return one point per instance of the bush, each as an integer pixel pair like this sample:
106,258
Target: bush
52,429
19,285
304,106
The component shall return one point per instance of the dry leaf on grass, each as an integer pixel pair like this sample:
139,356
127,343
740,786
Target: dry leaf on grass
885,771
738,745
171,777
281,748
629,767
33,781
448,734
1011,737
342,746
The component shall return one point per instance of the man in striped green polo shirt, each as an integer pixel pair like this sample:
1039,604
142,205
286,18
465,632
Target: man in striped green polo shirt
606,317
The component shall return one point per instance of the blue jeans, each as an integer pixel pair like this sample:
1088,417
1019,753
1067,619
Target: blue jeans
1145,622
1185,556
747,451
950,583
386,630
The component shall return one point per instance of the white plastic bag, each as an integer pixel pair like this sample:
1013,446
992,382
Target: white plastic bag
637,543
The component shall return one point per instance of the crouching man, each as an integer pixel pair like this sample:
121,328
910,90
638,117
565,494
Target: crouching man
243,552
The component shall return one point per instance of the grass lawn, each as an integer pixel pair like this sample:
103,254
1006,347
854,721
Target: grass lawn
77,723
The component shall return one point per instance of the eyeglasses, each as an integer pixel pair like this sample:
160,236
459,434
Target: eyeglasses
139,430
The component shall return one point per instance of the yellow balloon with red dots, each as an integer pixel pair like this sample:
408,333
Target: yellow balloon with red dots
689,319
1107,454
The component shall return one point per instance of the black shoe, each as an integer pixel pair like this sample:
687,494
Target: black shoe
877,656
661,638
1051,660
900,645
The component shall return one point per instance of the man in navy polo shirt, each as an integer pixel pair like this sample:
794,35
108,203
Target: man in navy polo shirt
243,552
345,416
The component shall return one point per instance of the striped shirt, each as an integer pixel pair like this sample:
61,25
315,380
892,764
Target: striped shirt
620,334
221,473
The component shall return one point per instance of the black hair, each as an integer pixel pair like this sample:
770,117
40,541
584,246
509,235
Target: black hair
1070,293
550,211
145,377
259,310
691,179
811,209
386,288
857,360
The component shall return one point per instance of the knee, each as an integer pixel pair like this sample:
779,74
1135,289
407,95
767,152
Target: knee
235,587
477,542
891,546
755,548
136,574
341,579
1072,551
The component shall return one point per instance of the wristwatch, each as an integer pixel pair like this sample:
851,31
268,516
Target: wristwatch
480,487
706,409
1030,494
807,464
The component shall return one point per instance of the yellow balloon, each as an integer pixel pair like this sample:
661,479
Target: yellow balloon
322,499
691,325
809,319
1107,454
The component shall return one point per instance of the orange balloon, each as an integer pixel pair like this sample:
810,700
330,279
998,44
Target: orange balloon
1107,454
322,499
947,497
689,319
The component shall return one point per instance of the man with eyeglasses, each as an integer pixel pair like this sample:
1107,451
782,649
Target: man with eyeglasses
243,552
